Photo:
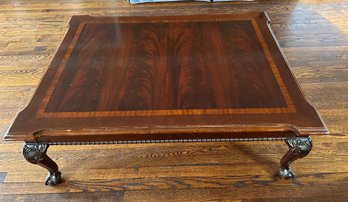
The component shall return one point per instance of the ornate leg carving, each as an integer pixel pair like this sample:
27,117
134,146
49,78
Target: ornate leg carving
36,154
299,147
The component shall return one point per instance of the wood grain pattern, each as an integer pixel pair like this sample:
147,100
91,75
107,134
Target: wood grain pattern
78,196
151,77
165,66
316,50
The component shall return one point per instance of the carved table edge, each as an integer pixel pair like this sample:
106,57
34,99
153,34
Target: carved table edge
162,141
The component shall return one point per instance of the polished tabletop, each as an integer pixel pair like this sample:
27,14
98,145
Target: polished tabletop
167,77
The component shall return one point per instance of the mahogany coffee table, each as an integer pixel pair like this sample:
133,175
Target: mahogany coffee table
167,79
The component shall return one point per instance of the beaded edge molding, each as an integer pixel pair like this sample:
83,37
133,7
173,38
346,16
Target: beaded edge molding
164,141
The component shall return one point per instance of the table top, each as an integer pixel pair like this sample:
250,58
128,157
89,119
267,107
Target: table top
167,77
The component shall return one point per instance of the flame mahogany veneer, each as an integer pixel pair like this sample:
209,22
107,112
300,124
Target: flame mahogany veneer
167,79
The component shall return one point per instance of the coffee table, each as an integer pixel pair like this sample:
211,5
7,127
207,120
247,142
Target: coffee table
155,79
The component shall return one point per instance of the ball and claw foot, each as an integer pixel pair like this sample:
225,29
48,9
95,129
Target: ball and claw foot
35,153
53,179
299,147
286,173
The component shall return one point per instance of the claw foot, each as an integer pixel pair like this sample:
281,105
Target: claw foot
53,179
286,173
299,147
35,153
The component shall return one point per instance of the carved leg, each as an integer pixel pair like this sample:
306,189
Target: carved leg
298,147
36,154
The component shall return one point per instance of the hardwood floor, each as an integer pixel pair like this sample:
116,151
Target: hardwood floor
314,38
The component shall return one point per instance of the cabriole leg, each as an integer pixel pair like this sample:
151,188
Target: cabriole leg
299,147
35,153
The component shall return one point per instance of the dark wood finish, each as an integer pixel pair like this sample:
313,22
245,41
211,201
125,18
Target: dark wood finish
36,154
313,36
170,77
196,78
299,147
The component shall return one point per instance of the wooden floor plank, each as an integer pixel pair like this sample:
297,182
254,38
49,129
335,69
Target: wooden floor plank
240,193
71,196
